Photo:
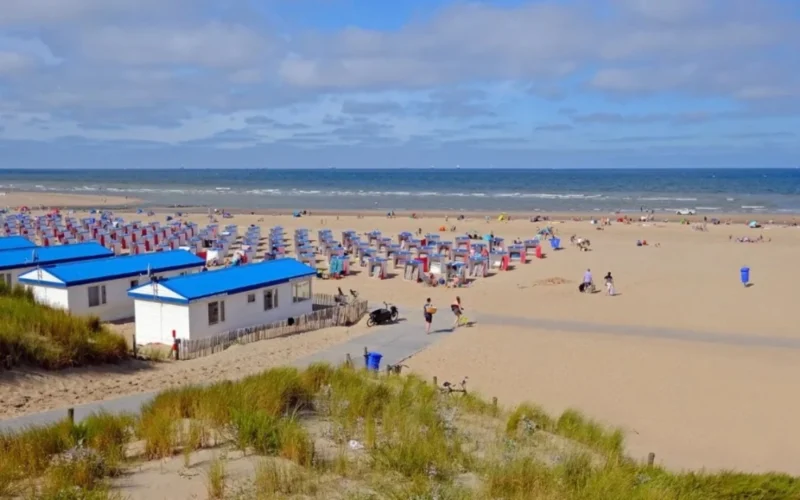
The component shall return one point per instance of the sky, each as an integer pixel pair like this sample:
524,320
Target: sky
399,84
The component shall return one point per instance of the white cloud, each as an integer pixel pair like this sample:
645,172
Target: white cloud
107,68
210,45
13,63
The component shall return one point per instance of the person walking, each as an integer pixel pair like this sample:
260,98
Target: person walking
609,281
457,311
428,311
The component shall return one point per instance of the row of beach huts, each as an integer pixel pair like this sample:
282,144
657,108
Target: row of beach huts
157,274
427,259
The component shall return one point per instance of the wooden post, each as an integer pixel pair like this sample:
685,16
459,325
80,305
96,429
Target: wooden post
651,459
366,357
494,402
71,415
348,360
135,349
388,369
435,381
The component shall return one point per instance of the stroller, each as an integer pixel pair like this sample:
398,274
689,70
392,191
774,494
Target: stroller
586,288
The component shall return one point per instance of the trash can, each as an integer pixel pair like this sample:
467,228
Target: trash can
744,274
555,243
374,361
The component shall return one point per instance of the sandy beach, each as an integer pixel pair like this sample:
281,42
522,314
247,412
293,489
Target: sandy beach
695,403
15,200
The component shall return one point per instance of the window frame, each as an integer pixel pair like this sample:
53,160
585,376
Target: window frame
296,286
220,312
274,303
100,291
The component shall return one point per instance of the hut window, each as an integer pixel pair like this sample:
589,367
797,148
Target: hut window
97,295
134,283
301,291
270,299
251,297
216,312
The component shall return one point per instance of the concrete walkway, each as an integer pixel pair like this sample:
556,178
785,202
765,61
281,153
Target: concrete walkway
396,343
403,340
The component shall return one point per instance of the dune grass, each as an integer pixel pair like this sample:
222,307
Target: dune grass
51,338
328,432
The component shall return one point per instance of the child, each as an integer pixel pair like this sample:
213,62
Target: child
609,284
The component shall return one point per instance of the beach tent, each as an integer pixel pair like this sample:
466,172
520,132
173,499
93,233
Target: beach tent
502,216
753,224
296,214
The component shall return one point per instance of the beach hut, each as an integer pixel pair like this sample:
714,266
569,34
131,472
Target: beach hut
518,253
462,243
376,267
13,263
530,246
413,270
206,304
15,243
478,267
400,258
461,255
437,264
100,287
499,259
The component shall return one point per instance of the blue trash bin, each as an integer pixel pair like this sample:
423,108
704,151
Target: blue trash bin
374,361
555,243
744,274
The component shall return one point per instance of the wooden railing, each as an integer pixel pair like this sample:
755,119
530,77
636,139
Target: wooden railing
327,313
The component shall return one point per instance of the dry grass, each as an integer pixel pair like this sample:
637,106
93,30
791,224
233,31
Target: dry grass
411,441
52,338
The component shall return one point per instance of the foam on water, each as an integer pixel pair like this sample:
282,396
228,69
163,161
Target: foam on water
530,190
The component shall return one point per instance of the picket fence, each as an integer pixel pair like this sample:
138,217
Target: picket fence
327,313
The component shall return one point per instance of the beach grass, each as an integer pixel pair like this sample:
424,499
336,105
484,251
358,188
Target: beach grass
49,338
328,432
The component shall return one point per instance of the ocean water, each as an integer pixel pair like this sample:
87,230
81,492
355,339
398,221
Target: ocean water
663,190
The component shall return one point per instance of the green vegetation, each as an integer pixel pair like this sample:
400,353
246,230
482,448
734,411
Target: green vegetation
50,338
340,433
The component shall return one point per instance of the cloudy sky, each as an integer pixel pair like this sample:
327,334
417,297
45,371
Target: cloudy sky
401,83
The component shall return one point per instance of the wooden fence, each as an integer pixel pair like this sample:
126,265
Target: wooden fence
327,313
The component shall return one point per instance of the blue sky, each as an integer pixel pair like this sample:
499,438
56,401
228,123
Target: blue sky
356,83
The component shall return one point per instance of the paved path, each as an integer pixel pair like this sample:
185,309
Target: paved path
400,341
395,342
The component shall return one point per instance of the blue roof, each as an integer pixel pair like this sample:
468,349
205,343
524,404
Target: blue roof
81,273
230,280
47,256
14,242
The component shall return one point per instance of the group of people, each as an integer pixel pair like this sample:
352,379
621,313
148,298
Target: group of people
428,310
587,285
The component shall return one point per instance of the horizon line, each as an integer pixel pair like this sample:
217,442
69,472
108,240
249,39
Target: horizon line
456,168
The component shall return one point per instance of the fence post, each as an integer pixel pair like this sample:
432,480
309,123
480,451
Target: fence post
435,381
71,415
651,459
366,357
135,349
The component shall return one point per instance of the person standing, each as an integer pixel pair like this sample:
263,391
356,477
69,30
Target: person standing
428,312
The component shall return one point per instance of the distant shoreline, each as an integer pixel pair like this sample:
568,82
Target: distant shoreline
14,199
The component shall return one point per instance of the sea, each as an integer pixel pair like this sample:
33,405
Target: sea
526,190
